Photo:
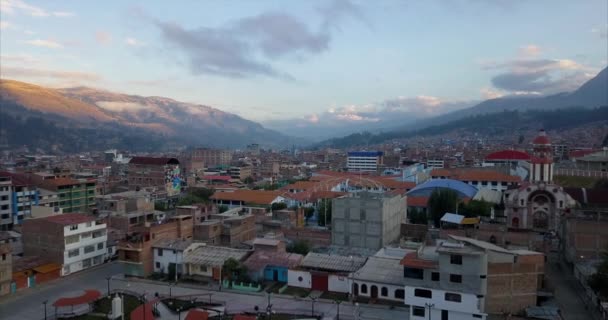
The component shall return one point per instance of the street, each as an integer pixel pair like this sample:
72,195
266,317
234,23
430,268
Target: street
28,304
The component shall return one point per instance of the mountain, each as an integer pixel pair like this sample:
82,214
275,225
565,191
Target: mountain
591,95
179,123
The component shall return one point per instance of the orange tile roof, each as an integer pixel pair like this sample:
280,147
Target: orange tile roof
69,218
474,175
248,196
58,182
196,314
417,201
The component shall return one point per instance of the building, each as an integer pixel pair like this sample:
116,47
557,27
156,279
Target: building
597,161
135,252
74,195
435,163
241,173
364,161
271,266
325,272
538,204
162,174
75,241
48,198
463,278
13,239
241,198
17,196
478,178
212,158
367,220
6,269
206,262
168,255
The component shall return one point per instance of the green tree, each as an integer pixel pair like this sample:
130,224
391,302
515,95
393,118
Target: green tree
234,270
248,180
417,216
222,208
160,206
599,280
202,193
325,212
308,213
475,208
300,246
442,201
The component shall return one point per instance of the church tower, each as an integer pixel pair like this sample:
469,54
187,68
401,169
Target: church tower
541,165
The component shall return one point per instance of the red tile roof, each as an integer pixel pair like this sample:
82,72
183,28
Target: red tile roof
70,218
196,314
58,182
508,155
153,161
541,138
17,179
243,317
87,297
411,260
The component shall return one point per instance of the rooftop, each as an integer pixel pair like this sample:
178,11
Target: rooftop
175,244
474,175
260,259
213,256
69,218
153,161
331,262
248,196
508,155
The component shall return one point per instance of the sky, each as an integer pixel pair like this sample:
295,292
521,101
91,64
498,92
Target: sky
314,62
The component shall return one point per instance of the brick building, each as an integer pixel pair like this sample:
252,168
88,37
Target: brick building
212,158
162,174
6,268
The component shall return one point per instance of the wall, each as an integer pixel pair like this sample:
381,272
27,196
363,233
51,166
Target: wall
339,283
465,309
293,279
391,290
167,258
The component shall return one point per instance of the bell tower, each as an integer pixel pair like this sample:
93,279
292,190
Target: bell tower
541,165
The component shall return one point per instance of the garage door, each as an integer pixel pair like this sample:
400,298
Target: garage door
319,282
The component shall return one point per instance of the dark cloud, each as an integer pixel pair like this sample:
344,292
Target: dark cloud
245,47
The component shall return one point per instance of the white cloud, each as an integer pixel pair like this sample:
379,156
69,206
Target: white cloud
5,25
45,43
489,93
18,6
530,50
29,32
601,31
28,73
134,42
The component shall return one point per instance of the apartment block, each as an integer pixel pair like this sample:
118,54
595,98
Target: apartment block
367,220
17,196
73,195
6,269
364,161
162,174
212,158
76,241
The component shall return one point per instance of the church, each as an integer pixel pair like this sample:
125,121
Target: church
538,204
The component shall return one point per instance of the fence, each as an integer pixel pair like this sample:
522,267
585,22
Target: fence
580,173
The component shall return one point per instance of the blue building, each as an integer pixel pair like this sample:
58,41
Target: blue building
17,196
265,265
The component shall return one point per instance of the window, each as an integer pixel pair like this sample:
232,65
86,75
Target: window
72,239
435,276
364,288
203,268
4,257
384,292
413,273
454,297
423,293
86,263
483,276
100,246
418,311
456,278
4,207
456,259
86,235
159,252
74,227
478,316
399,294
73,253
158,265
89,224
89,249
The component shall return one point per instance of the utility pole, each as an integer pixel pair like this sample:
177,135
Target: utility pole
313,299
429,305
338,303
44,303
108,279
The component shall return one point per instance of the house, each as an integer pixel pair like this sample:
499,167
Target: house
17,196
75,241
74,195
206,262
241,198
478,178
168,255
162,174
271,266
6,266
30,271
324,272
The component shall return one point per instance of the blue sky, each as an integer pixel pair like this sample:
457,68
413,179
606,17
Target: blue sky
309,61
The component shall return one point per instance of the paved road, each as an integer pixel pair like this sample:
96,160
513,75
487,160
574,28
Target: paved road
27,304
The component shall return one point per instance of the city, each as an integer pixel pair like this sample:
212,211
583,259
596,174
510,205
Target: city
124,206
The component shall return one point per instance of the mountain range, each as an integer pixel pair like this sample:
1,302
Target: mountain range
175,122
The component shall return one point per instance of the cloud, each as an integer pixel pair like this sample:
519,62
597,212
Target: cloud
534,75
246,47
5,25
45,43
18,6
601,31
488,93
134,42
76,76
103,37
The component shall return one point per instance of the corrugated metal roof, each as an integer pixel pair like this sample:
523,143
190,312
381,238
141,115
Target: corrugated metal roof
452,218
331,262
213,256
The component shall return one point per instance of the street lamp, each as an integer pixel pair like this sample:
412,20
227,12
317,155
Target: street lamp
313,300
269,307
108,279
44,303
143,299
338,303
179,313
429,305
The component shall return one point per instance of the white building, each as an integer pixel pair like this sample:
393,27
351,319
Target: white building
168,255
74,240
364,161
437,304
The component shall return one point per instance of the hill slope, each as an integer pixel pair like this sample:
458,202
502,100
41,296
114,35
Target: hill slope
178,122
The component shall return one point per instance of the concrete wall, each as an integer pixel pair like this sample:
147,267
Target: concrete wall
297,278
161,263
391,290
339,283
463,310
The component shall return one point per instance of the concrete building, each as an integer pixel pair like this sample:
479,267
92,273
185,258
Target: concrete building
17,196
205,262
168,256
364,161
435,163
232,228
13,239
367,220
74,195
212,158
597,161
478,178
162,174
6,269
75,241
241,173
325,272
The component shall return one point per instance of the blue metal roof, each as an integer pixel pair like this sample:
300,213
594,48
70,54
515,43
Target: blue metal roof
464,190
365,153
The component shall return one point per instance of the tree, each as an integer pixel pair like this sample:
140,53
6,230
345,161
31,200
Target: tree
160,206
300,246
521,138
278,206
440,202
308,213
248,180
599,280
417,216
325,212
234,270
601,183
222,208
202,193
475,208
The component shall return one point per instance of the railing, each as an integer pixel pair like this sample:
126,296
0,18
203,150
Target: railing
580,173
